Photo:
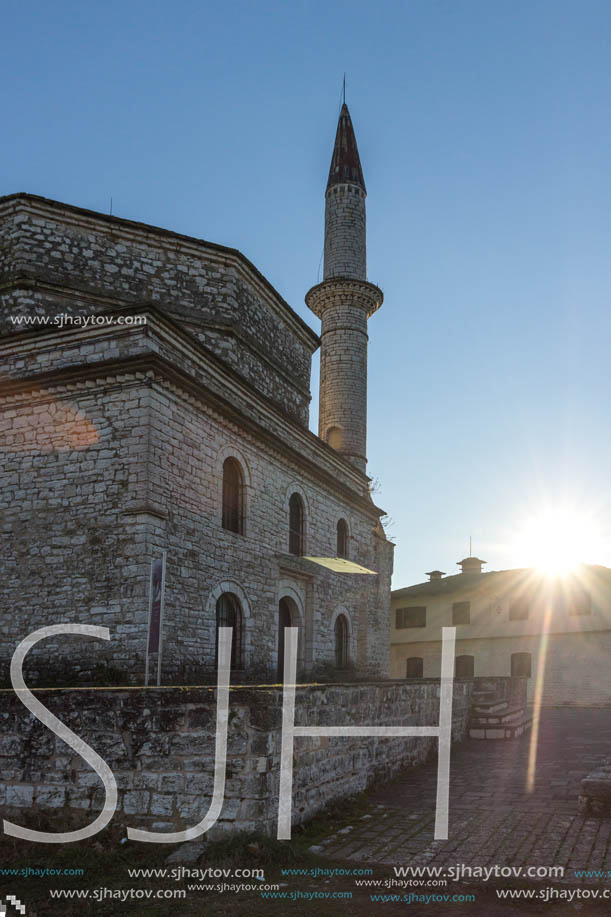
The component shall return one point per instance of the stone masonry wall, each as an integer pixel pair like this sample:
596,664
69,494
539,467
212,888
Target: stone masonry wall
99,476
56,259
188,446
74,347
72,551
159,744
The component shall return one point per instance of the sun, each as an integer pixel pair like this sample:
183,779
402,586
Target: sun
558,539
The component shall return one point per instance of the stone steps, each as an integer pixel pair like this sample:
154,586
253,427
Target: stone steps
499,710
492,706
508,724
506,717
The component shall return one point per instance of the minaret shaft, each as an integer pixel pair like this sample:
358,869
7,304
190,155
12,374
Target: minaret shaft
342,418
345,232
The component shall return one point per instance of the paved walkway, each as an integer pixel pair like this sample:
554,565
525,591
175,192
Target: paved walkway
494,819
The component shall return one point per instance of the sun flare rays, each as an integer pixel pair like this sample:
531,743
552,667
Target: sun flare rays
556,539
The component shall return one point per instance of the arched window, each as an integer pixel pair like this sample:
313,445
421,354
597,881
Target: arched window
521,664
465,666
414,667
296,524
342,538
229,614
287,617
341,642
233,496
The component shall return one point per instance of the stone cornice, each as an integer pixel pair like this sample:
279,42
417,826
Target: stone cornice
344,291
122,307
146,510
151,366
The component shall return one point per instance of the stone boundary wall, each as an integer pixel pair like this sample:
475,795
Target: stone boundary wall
160,745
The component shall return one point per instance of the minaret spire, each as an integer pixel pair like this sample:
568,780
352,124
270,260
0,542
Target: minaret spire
344,301
345,161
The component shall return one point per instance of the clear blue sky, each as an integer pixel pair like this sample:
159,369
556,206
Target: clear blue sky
485,135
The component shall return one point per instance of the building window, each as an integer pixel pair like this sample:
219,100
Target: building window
465,666
233,496
229,614
342,538
461,613
414,667
521,664
410,617
341,642
296,515
519,609
578,602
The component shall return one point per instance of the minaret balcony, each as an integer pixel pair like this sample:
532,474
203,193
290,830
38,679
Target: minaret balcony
344,291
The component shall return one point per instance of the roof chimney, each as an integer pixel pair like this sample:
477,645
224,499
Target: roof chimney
471,564
435,574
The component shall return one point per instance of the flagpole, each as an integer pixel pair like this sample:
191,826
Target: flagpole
148,630
161,607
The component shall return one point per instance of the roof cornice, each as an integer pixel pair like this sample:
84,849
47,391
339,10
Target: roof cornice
80,216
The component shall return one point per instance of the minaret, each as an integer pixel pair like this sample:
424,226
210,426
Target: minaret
344,301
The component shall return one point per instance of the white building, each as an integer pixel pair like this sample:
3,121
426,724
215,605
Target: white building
556,631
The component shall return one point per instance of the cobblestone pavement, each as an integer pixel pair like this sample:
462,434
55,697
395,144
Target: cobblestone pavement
494,818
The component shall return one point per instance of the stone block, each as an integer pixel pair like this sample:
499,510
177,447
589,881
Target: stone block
202,784
145,780
191,808
78,797
50,797
19,796
191,743
171,783
9,746
136,802
162,804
